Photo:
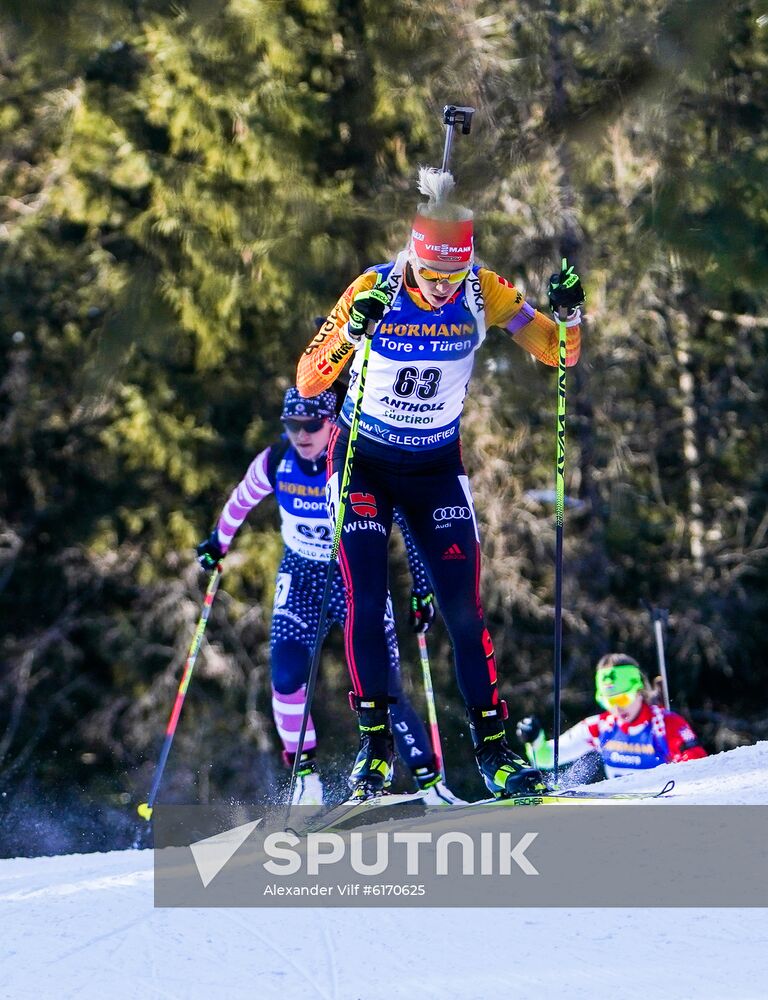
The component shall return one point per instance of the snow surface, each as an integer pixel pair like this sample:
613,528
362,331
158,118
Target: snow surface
84,926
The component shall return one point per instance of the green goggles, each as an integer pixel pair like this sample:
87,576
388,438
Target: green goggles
617,687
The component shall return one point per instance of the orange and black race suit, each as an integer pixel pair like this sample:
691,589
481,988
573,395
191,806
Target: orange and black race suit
408,454
420,355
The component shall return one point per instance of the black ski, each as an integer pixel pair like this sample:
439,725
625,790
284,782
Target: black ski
350,810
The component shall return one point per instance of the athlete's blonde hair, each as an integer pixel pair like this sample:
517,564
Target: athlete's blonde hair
437,186
616,660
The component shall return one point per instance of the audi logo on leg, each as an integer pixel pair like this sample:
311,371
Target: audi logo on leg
452,514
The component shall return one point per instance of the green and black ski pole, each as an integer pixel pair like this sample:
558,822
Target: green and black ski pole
559,524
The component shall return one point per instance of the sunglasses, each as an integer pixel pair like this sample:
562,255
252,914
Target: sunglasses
310,426
452,277
623,700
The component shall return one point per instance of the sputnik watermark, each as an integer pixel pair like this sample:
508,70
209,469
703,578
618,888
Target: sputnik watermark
420,853
494,856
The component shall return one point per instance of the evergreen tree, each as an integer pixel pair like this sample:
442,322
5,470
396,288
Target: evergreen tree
186,185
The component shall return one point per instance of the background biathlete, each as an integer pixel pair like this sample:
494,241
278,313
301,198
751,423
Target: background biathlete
295,470
427,313
631,734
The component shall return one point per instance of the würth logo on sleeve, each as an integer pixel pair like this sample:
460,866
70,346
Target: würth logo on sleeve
453,552
363,504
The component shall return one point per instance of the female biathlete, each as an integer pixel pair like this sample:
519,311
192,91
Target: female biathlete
295,470
427,313
630,734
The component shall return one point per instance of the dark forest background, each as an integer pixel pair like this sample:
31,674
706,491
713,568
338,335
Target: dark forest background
184,185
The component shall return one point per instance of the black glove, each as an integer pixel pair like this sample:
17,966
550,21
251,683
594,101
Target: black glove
422,612
210,552
528,729
565,290
367,309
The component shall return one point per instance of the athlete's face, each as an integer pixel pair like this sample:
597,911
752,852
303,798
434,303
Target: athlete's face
308,435
437,285
628,712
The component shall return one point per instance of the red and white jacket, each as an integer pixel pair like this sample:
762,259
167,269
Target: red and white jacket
653,737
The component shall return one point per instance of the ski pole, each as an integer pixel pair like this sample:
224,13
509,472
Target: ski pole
434,729
346,479
145,808
660,618
559,519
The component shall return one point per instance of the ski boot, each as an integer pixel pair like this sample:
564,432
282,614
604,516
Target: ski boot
308,790
504,773
430,781
374,766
